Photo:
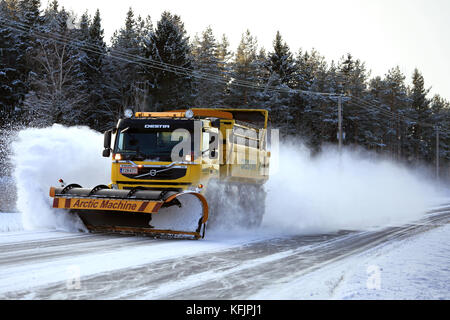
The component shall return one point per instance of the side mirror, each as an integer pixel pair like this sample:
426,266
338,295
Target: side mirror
107,143
107,139
106,152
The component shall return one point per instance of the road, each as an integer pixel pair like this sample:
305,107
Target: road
59,265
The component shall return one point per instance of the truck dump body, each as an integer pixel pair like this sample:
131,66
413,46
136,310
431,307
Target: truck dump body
164,167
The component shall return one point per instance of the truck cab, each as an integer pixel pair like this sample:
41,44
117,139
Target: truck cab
186,149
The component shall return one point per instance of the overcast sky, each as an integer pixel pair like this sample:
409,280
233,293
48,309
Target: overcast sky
382,33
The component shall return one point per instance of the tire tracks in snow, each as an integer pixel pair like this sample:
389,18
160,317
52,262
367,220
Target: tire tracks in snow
234,273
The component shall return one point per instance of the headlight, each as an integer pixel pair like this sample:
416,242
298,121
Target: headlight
189,113
128,113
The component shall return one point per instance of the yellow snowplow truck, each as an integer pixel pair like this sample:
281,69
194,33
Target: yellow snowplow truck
174,171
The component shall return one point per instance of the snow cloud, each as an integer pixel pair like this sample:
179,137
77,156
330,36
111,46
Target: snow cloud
41,157
352,191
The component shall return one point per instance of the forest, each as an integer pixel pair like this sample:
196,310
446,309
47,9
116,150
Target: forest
57,67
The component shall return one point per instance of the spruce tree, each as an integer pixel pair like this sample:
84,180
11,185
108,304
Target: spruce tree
280,68
421,132
98,114
440,109
224,55
328,82
169,44
210,85
55,95
13,82
310,110
395,97
353,82
29,16
123,68
30,11
244,68
280,61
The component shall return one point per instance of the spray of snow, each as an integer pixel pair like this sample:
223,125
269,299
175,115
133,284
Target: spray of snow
354,190
41,157
327,193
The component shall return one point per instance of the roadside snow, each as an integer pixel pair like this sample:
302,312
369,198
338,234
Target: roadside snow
417,268
10,222
88,261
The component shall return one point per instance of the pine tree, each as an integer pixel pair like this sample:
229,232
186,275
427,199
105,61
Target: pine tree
421,133
281,61
353,82
97,114
244,68
224,56
280,68
29,16
145,82
169,44
55,95
18,50
209,91
440,117
124,73
324,109
381,135
84,23
395,97
327,81
310,111
82,36
96,41
13,83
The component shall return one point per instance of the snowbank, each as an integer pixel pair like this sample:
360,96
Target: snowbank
416,268
10,222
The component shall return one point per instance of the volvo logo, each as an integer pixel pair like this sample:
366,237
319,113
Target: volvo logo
153,173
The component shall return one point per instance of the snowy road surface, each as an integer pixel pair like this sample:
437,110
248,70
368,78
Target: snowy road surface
348,265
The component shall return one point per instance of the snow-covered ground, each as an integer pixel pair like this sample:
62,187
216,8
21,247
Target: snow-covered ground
399,262
302,250
413,268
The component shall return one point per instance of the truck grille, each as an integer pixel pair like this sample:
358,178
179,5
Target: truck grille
158,173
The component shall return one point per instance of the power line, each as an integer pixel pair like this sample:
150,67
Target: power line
391,113
159,65
147,62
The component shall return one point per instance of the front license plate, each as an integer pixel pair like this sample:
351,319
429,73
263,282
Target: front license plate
129,170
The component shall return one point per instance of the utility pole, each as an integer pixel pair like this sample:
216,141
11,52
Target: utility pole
437,153
340,122
399,137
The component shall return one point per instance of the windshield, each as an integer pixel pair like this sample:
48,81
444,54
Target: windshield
155,145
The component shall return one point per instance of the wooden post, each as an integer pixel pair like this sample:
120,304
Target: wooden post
437,153
340,138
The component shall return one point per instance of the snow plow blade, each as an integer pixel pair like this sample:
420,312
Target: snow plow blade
136,211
